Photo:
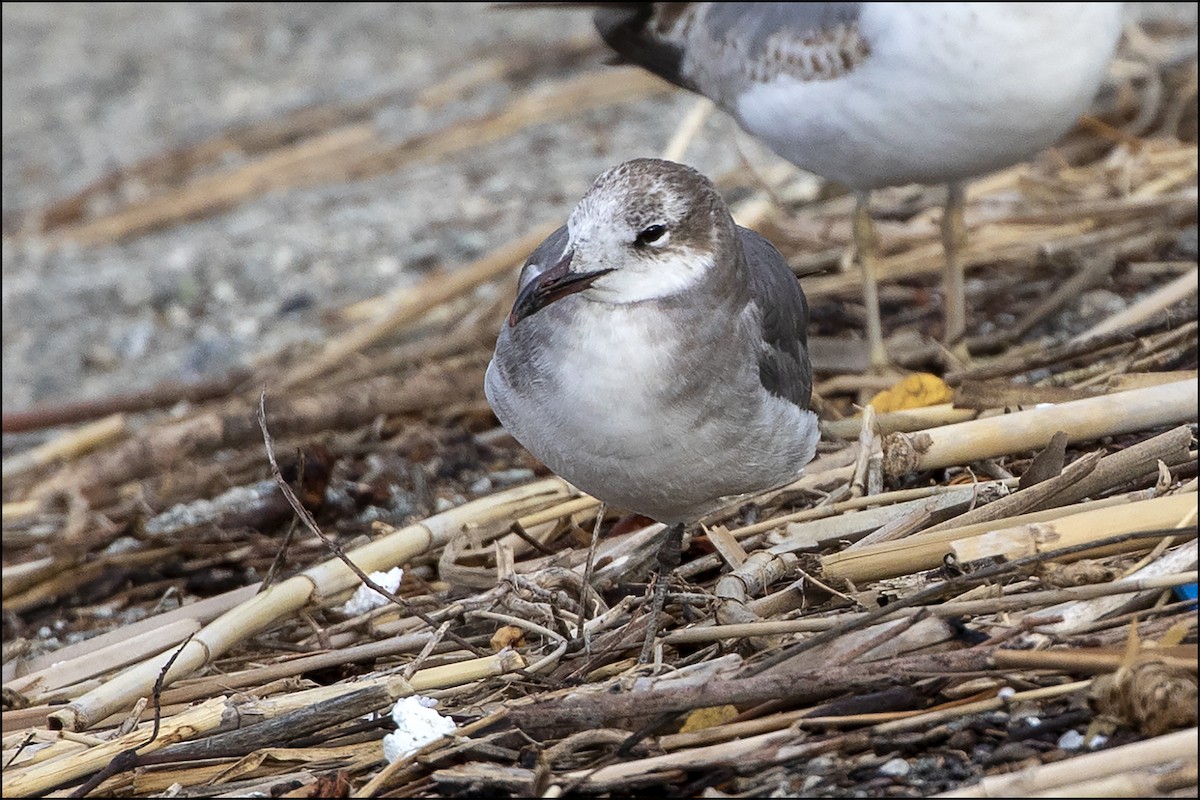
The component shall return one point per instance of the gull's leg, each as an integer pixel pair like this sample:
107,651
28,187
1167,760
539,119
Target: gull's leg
670,552
587,579
864,245
954,241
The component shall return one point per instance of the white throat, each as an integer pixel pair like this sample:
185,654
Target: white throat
653,280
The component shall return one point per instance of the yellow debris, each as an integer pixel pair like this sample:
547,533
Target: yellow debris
916,391
703,718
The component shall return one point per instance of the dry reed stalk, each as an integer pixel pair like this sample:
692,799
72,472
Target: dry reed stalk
196,689
1131,463
1179,289
67,446
713,632
162,395
39,778
161,448
202,611
915,419
1139,380
1087,660
250,714
116,655
325,579
1029,497
704,632
736,753
1075,615
748,580
1083,420
989,244
66,580
20,577
1152,783
1011,543
221,779
441,677
895,499
1178,746
19,510
211,194
464,672
701,110
355,152
977,707
927,551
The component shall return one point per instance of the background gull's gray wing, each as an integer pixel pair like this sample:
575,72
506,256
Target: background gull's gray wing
783,364
716,49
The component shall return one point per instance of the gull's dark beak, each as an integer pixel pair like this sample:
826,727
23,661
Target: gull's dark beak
553,284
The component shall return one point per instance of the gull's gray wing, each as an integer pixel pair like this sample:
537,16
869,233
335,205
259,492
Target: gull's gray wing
783,365
717,49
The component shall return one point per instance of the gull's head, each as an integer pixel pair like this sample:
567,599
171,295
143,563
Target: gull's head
647,229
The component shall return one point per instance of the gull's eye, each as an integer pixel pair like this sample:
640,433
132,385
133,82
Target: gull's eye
653,235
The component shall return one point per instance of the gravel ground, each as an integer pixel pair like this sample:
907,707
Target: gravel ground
88,88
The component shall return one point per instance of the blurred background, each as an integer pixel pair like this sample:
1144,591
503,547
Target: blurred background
186,187
131,102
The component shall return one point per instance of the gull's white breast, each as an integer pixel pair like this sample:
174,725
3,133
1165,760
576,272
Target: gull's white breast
623,401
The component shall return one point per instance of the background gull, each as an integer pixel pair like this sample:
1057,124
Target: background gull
881,94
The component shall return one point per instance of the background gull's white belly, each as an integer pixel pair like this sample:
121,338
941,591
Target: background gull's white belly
948,91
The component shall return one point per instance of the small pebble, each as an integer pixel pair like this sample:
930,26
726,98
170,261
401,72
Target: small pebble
1071,740
820,764
508,477
896,768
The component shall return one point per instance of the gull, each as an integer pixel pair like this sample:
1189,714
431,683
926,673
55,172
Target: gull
871,95
656,355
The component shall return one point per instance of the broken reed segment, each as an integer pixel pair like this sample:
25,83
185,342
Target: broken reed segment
68,445
1050,529
1083,420
1011,543
915,552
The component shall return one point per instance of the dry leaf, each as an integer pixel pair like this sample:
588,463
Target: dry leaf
507,636
711,717
916,391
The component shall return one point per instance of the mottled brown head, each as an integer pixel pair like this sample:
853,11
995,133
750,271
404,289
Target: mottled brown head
646,230
657,227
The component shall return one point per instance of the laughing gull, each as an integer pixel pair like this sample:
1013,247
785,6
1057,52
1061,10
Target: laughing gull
656,356
882,94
